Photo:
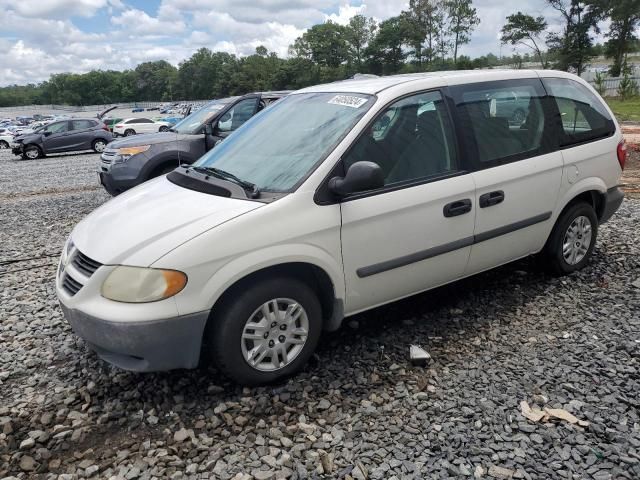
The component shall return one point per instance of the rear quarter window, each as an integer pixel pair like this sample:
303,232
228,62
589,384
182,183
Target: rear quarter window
583,117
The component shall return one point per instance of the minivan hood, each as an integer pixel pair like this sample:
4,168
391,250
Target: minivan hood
141,225
147,139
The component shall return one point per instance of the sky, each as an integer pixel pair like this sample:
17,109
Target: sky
42,37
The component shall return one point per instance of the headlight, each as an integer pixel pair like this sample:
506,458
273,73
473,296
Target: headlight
140,285
127,152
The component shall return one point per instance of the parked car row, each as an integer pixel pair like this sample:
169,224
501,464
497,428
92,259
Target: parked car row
335,200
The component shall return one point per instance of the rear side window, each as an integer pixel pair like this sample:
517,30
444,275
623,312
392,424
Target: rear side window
82,124
583,116
504,119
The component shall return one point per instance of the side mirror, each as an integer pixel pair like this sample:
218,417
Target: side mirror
208,129
360,177
46,134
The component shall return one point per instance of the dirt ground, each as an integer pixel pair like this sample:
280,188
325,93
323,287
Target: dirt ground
631,175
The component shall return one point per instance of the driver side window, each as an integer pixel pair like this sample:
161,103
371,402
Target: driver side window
240,113
410,140
57,127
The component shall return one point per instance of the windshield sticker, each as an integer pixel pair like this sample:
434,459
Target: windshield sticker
348,101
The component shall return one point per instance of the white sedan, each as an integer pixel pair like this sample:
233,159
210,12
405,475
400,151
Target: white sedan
5,140
132,126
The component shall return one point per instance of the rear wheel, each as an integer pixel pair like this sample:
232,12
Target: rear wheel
265,331
98,145
164,128
129,131
3,144
32,152
572,240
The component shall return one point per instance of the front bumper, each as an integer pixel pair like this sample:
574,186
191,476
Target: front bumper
117,177
613,200
16,149
158,345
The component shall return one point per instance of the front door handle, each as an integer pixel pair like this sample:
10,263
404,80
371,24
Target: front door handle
456,208
491,198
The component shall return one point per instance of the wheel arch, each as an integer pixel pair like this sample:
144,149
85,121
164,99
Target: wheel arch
590,190
312,275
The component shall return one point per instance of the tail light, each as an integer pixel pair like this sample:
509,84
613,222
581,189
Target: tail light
119,126
104,127
622,153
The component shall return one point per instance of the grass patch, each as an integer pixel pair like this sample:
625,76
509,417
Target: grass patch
628,110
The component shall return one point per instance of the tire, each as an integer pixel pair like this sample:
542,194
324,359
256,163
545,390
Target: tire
229,350
129,131
567,249
31,152
98,145
3,145
164,128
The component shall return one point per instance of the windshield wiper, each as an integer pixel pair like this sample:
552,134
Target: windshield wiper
252,188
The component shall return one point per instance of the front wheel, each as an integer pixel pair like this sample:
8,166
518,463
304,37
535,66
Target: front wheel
32,152
164,129
3,145
572,240
98,146
266,331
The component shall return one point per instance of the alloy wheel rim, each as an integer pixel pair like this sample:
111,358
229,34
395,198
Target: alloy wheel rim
32,153
577,240
274,335
3,145
99,146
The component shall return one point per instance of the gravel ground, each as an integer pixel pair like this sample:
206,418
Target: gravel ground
359,410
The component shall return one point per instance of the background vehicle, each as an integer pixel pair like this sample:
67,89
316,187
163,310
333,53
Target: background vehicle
5,140
133,126
63,136
111,122
131,161
137,109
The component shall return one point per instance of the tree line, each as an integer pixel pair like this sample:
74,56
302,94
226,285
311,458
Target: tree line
425,37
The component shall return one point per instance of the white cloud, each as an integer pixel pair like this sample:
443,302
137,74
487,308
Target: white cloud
54,8
138,22
345,12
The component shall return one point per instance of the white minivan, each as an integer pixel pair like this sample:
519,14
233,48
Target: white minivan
339,198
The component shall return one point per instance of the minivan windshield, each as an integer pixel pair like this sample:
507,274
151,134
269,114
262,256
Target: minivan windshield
280,146
192,124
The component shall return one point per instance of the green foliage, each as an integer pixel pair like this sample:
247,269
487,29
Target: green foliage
572,47
628,87
425,37
600,84
523,29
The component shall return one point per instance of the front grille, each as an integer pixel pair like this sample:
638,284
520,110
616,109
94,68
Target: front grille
109,156
85,264
70,285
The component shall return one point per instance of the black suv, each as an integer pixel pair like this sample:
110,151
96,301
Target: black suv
63,136
134,160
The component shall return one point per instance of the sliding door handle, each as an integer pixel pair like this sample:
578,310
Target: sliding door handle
491,198
459,207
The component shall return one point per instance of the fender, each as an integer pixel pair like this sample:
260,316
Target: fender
164,157
584,185
240,267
